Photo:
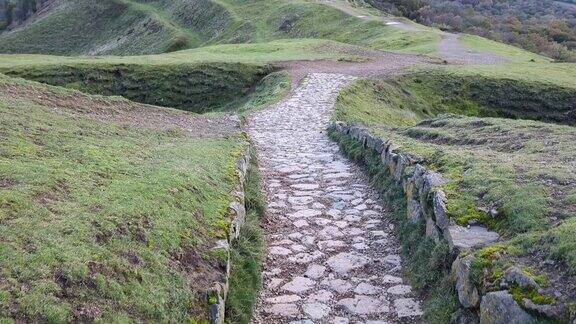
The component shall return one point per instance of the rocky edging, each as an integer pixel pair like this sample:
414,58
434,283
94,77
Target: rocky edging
426,203
237,213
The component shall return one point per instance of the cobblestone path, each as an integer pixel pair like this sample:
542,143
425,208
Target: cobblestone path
332,256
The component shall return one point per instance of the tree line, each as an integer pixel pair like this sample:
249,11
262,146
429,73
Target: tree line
14,12
542,26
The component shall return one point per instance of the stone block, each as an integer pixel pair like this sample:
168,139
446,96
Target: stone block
467,238
467,292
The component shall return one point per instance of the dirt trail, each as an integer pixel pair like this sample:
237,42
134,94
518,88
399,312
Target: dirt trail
332,253
452,51
449,47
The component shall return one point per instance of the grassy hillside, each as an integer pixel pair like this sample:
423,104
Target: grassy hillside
142,27
193,87
108,208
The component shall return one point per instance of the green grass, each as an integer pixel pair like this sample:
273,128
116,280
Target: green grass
106,221
93,27
268,52
511,53
270,90
247,254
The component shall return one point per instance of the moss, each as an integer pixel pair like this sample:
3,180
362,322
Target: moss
484,260
530,293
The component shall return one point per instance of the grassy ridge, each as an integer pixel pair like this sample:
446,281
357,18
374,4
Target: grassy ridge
193,87
408,100
106,221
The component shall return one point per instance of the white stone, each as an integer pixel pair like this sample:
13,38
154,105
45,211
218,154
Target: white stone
338,285
282,309
365,305
366,289
391,279
305,213
283,299
278,250
301,223
407,307
316,311
330,232
347,261
299,285
321,295
315,271
399,290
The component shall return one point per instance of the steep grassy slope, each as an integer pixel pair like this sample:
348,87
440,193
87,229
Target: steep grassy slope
108,208
153,26
193,87
94,27
524,170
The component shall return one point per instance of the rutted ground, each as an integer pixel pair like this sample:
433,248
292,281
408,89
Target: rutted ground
332,253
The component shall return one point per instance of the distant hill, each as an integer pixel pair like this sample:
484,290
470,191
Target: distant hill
136,27
541,26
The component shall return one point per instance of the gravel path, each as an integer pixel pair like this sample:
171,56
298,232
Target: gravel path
332,254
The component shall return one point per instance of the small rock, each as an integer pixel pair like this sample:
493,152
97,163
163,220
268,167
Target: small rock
366,289
283,299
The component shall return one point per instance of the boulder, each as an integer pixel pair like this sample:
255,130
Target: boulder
439,206
414,211
500,308
467,292
432,230
556,312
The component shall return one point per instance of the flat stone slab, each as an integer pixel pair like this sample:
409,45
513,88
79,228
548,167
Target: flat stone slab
299,285
346,261
305,213
399,290
283,299
365,305
282,309
470,237
316,311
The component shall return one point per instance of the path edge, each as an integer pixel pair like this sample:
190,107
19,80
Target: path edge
216,295
426,204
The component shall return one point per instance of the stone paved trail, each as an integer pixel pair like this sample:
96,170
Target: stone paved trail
332,256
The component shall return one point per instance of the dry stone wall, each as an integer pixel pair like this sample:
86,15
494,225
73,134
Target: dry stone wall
426,203
237,213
